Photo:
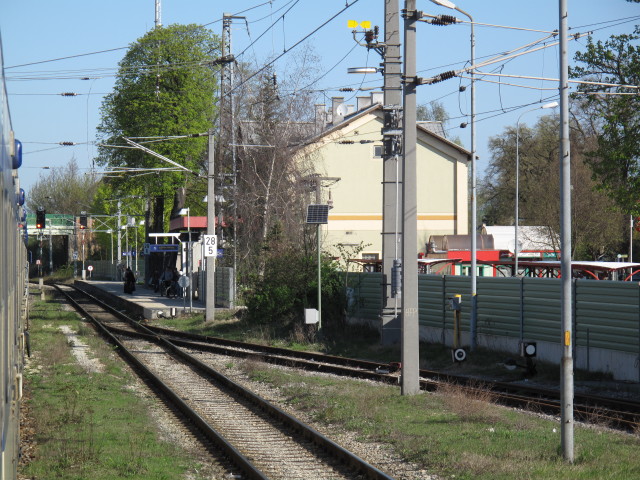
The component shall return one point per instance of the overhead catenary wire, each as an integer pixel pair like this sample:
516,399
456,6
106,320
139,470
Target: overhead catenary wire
326,22
581,82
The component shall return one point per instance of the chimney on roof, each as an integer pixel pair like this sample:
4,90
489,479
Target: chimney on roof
321,118
337,109
377,97
363,102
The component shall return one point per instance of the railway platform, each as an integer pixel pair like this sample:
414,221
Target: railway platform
144,302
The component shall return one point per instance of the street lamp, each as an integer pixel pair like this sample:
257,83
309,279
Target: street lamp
516,250
474,203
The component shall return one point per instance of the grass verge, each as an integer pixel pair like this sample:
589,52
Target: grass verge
448,433
89,425
453,435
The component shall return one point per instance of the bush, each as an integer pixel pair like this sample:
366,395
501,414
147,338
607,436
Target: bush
289,285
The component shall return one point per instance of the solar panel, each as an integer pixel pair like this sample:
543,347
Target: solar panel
317,213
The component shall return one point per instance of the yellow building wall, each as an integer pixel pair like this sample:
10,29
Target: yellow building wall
356,215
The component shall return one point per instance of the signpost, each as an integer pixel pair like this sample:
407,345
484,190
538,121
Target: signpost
184,282
210,245
164,247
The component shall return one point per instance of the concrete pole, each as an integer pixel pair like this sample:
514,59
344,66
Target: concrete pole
474,200
75,247
319,254
390,225
84,271
50,248
516,250
112,266
158,13
410,344
210,300
189,261
118,235
565,244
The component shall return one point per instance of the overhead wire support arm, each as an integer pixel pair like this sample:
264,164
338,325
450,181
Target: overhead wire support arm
501,58
157,155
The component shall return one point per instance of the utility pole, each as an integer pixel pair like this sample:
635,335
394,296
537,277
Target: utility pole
391,172
50,247
566,394
410,330
210,301
119,226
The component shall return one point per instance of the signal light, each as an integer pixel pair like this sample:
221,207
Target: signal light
83,222
355,24
40,218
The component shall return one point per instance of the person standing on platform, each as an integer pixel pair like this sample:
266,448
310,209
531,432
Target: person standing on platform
165,280
129,281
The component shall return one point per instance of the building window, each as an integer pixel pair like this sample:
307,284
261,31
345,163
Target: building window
377,151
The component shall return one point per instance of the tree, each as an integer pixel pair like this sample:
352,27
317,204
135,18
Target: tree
164,87
597,224
433,111
615,116
63,190
269,196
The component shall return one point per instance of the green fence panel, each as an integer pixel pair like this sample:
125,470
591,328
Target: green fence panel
458,285
542,299
607,314
431,301
499,306
364,295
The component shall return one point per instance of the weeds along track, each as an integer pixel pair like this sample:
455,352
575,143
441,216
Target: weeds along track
263,441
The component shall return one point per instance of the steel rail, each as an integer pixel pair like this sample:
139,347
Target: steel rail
210,433
275,412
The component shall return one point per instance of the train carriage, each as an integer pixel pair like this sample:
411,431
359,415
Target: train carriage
13,288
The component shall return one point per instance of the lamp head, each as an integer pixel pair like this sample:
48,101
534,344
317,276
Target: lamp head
445,3
363,70
550,105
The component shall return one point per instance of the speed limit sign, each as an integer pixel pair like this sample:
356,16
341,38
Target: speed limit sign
210,245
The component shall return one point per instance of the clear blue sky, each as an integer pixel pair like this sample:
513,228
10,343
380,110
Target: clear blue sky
38,31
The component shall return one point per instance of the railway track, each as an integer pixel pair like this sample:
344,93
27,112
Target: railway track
613,412
263,441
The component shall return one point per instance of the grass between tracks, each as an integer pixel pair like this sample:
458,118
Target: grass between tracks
88,425
448,433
